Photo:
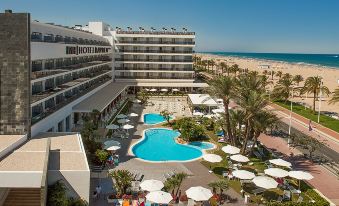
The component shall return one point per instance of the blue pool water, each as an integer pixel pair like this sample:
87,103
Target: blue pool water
153,118
159,145
202,145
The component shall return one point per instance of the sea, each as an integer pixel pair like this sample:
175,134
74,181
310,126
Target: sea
327,60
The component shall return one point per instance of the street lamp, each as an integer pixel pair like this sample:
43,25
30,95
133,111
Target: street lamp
290,125
319,106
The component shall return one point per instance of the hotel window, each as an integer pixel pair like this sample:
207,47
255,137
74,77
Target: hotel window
36,36
36,66
49,38
74,40
59,63
67,39
49,64
59,38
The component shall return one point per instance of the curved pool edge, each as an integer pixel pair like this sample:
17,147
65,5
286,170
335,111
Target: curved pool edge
214,146
130,150
143,119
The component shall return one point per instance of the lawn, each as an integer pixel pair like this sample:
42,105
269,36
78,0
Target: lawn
308,113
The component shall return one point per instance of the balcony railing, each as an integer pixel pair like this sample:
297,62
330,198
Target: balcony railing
151,77
156,32
158,69
154,42
65,85
59,70
50,39
154,60
156,51
66,101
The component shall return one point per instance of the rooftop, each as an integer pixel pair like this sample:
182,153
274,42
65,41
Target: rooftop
202,99
8,140
156,32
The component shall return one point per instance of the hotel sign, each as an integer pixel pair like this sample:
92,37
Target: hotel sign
86,50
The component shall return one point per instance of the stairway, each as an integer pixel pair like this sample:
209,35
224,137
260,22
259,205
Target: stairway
23,197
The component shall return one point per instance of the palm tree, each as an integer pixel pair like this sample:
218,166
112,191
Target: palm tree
335,97
179,177
315,85
220,185
122,178
298,78
222,87
265,72
279,74
283,89
272,74
287,75
212,63
235,69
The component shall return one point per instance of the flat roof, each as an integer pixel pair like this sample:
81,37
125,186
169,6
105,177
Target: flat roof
66,152
100,99
202,99
171,84
8,140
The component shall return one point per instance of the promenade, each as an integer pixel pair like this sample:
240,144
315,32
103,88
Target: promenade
324,181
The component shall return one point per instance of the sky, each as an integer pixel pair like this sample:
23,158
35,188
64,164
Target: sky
280,26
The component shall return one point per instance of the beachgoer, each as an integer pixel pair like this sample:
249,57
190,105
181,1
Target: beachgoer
98,190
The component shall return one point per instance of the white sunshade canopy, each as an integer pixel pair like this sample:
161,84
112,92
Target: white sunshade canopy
280,162
112,148
152,185
202,99
128,126
122,121
198,114
146,89
175,90
112,126
239,158
229,149
164,90
300,175
159,197
121,116
133,114
153,90
137,101
276,172
199,193
212,158
218,111
265,182
243,174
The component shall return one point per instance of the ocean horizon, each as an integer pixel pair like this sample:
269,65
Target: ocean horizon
327,60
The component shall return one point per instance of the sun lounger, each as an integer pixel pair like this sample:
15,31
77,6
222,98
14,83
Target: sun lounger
258,190
190,202
287,195
257,154
141,178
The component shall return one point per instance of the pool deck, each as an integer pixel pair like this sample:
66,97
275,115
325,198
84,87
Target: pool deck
199,174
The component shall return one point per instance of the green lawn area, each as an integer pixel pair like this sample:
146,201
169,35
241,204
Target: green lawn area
308,113
258,167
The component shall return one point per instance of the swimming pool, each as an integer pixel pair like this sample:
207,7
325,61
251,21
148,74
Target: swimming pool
202,145
154,118
158,145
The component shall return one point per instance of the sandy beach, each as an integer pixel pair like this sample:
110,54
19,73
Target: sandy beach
330,75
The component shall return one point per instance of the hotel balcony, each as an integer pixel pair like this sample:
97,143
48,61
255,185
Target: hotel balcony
127,69
153,77
156,32
123,42
54,88
127,60
59,71
153,51
52,105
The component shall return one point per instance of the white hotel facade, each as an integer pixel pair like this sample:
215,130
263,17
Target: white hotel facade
52,75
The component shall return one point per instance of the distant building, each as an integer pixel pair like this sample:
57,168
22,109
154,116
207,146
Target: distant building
264,66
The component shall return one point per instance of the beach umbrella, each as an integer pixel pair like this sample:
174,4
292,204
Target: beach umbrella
300,175
112,143
133,114
122,121
229,149
265,182
159,197
199,193
112,126
239,158
276,172
128,126
151,185
175,90
198,114
243,174
121,116
212,158
137,101
153,90
280,162
112,148
218,111
209,116
164,90
146,89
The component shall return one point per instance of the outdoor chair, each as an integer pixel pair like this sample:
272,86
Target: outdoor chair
258,190
287,195
300,199
190,202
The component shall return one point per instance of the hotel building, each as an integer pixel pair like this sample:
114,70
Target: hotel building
52,75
